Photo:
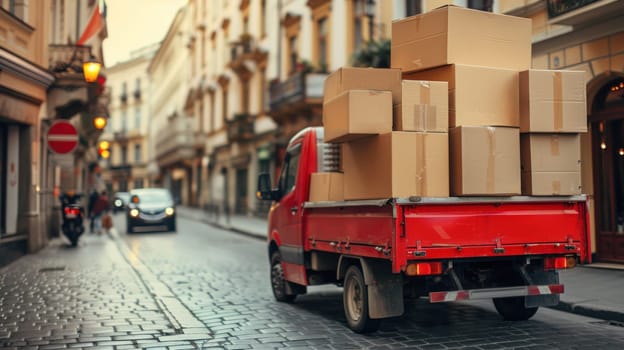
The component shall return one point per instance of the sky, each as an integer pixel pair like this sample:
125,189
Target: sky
134,24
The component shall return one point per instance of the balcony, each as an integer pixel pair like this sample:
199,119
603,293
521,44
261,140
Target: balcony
241,128
299,92
126,135
579,12
178,141
242,51
68,59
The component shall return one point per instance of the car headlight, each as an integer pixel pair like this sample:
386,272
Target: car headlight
118,202
134,212
169,211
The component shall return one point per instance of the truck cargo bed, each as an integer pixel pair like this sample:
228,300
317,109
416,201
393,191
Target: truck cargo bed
419,228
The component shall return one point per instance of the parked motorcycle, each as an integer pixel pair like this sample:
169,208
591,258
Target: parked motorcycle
73,218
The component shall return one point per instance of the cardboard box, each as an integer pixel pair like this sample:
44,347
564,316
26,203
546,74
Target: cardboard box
396,164
424,106
326,187
552,101
551,184
478,96
456,35
357,113
348,78
485,161
551,164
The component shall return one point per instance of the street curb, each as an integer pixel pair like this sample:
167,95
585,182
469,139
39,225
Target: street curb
589,311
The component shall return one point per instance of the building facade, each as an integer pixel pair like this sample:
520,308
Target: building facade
128,125
172,135
24,81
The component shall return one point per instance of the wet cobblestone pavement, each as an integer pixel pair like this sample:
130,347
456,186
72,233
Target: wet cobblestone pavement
208,288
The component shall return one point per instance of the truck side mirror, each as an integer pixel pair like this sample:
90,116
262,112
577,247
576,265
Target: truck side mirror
265,192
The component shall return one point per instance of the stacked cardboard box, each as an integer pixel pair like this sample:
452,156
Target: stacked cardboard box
493,96
460,73
552,113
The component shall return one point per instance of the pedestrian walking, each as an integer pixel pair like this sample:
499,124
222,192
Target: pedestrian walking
93,197
100,208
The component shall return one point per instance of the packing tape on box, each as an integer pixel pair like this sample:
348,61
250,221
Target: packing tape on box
491,164
554,145
421,175
424,117
556,187
558,101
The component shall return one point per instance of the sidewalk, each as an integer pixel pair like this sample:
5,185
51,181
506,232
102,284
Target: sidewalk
595,290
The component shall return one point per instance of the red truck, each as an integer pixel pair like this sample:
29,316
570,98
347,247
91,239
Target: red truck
445,249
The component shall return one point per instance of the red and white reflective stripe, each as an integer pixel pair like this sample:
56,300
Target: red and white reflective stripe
489,293
545,290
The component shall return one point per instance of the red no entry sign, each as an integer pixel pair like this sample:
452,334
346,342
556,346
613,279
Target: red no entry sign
62,137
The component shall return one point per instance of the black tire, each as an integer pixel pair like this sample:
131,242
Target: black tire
129,228
513,309
172,226
355,302
74,241
278,283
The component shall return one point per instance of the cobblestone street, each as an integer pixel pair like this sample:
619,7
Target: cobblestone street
208,288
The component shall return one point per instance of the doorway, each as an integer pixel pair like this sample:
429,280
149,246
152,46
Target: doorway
607,128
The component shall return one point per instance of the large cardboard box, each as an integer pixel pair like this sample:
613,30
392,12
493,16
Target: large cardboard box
348,78
424,106
456,35
326,187
357,113
552,101
478,96
551,164
485,161
396,164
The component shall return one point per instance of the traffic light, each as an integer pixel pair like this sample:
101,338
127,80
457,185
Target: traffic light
103,150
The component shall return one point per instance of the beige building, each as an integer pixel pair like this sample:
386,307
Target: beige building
128,124
24,82
42,81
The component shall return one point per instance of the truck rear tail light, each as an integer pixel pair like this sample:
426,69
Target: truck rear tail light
424,269
559,263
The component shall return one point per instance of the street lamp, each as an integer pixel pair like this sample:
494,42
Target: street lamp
99,122
370,13
91,69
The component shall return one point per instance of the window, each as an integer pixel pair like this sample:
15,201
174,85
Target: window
288,178
294,56
124,121
246,25
137,118
124,154
224,107
412,7
263,18
322,42
137,153
484,5
138,183
358,18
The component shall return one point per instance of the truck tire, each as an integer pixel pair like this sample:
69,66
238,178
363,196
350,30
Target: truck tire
355,302
513,309
278,283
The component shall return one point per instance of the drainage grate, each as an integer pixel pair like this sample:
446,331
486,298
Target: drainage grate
52,269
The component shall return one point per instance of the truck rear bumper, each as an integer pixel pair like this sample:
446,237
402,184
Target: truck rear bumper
491,293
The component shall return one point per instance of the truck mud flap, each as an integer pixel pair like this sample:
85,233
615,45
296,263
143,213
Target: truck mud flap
385,289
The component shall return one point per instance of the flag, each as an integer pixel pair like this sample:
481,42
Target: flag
96,23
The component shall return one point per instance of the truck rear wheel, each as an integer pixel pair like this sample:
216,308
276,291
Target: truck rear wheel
513,309
278,283
355,302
